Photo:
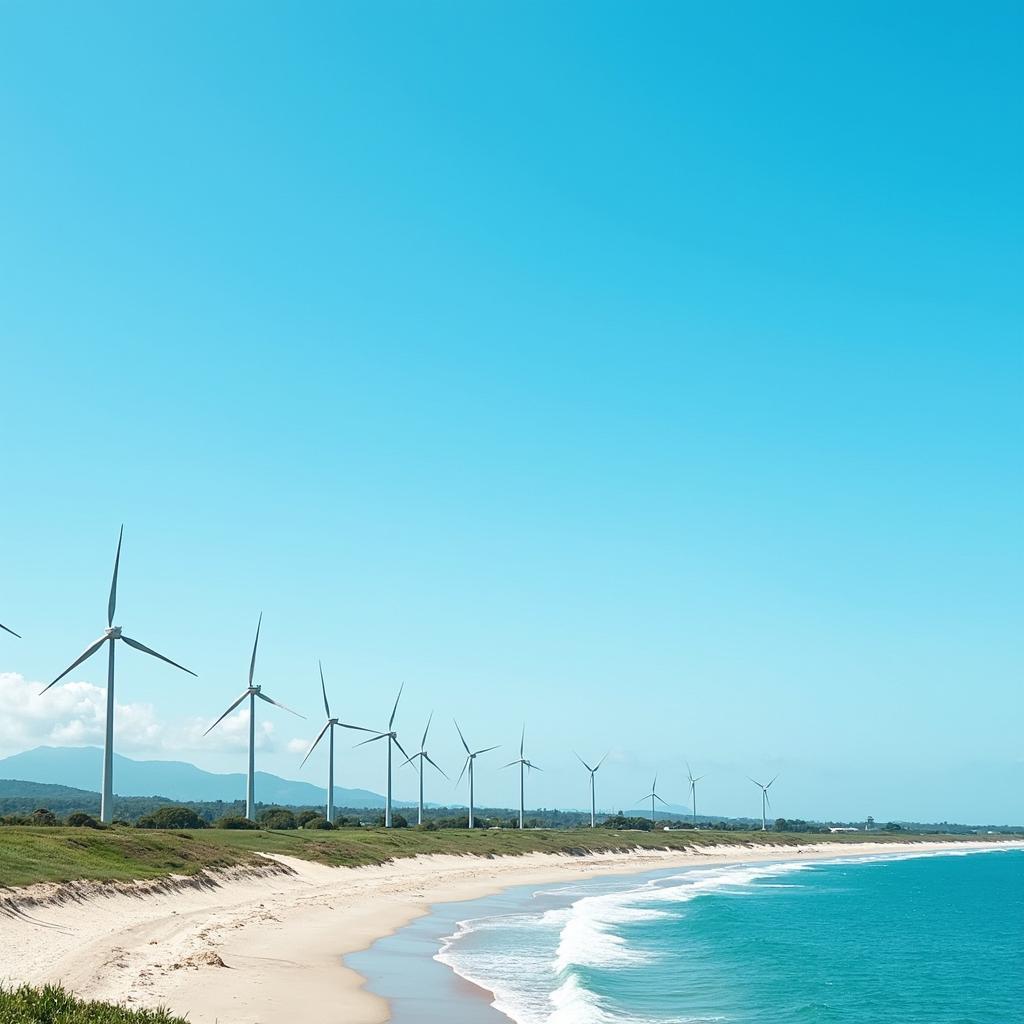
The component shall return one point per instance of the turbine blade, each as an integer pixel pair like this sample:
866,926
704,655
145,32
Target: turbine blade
435,764
584,763
226,713
255,644
534,767
87,653
278,704
755,782
463,772
769,786
423,742
658,798
399,745
484,751
112,602
461,737
602,761
146,650
509,765
522,740
360,728
315,742
8,630
323,686
372,739
411,759
394,710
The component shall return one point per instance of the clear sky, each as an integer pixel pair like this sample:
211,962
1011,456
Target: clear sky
649,372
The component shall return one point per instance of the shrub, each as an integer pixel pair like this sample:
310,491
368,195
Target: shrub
303,816
427,826
318,823
277,817
41,816
233,822
53,1004
82,820
172,817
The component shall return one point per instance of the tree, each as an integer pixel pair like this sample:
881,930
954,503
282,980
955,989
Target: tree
234,822
303,816
82,820
317,822
277,817
172,817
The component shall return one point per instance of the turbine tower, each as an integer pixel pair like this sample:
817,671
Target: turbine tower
424,758
392,737
593,772
652,796
523,763
765,802
11,631
471,756
111,634
252,692
330,726
693,792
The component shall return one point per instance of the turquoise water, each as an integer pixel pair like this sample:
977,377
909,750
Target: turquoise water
935,939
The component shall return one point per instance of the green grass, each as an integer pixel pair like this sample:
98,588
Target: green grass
30,854
52,1005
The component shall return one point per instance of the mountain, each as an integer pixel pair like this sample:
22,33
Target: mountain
178,780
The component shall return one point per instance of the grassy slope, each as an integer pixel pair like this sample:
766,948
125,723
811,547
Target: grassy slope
52,1005
119,854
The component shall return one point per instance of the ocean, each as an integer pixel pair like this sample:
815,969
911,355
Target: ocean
932,939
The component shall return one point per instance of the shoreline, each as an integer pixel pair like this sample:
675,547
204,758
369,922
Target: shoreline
270,947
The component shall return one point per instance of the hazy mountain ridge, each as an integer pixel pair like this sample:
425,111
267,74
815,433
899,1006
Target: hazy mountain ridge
175,780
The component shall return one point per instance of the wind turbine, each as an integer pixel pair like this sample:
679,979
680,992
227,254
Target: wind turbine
252,692
652,796
765,802
693,792
424,758
331,723
593,772
11,631
392,737
110,635
471,756
523,763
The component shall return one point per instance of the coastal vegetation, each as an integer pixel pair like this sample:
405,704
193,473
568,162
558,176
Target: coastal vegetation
53,1005
32,853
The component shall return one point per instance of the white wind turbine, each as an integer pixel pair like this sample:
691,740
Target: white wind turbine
11,631
765,802
693,791
424,758
330,726
471,756
392,737
593,772
523,763
652,796
111,634
252,692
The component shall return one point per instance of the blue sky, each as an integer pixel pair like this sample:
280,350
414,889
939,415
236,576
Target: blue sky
652,373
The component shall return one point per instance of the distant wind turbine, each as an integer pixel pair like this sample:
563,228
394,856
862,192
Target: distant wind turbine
329,727
8,630
593,772
523,763
693,791
424,759
252,692
765,802
392,737
110,635
471,756
652,796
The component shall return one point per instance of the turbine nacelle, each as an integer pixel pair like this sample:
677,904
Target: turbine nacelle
113,633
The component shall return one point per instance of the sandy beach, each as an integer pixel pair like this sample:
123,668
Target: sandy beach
268,947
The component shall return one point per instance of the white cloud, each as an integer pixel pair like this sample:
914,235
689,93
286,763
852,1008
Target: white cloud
299,746
73,714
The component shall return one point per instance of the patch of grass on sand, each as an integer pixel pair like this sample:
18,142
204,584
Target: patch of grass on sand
52,1005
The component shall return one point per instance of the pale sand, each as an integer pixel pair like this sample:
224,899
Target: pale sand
281,937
